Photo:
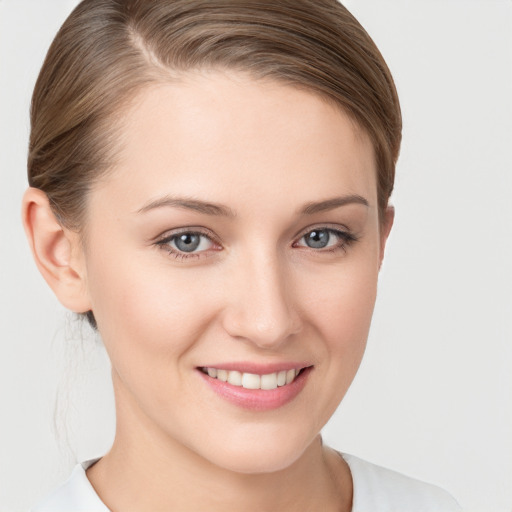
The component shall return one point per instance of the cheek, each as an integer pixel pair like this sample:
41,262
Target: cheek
351,308
150,319
154,312
340,312
342,303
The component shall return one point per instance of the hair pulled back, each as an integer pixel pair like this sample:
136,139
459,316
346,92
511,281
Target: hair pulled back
108,50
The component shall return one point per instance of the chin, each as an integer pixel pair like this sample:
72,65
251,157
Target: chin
263,452
265,462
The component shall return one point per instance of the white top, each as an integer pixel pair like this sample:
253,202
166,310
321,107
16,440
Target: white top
376,489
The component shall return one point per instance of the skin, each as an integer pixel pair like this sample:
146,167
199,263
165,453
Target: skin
255,293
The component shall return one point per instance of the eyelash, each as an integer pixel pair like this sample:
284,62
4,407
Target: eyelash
346,240
179,255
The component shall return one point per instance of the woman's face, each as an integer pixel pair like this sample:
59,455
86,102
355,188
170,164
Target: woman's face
238,232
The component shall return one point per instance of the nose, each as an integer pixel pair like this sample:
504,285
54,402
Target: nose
261,307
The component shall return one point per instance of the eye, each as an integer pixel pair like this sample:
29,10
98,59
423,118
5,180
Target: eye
318,239
325,238
186,244
190,242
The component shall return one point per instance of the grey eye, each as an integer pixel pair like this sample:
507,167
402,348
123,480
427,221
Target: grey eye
187,242
318,238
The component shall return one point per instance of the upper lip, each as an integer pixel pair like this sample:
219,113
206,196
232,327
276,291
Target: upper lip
258,368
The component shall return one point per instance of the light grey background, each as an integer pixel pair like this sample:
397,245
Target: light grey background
433,398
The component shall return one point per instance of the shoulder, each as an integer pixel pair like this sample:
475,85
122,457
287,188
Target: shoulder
381,490
76,494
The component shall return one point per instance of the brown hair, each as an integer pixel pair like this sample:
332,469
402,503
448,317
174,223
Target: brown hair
107,50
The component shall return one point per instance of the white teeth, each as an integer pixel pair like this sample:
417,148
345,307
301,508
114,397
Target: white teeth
269,381
235,378
253,381
222,375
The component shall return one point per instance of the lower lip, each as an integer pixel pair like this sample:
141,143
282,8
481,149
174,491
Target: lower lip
258,399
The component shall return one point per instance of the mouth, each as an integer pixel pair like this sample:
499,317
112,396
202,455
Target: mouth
256,388
267,381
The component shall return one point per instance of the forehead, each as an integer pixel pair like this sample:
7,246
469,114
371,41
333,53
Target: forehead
226,137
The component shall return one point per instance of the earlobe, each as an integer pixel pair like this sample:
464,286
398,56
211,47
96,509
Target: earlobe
56,251
387,224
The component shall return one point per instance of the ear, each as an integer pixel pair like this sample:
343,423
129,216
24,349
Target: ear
57,251
387,224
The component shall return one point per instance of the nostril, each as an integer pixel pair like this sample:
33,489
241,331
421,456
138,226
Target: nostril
265,332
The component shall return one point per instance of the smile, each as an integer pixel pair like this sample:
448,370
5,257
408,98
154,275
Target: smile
254,386
245,380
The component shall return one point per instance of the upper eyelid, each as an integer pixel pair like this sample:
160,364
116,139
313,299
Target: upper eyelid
337,228
170,234
164,242
344,236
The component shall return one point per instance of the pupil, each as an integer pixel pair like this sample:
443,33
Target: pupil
187,242
317,239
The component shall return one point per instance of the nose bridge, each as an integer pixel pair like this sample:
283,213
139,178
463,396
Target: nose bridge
261,307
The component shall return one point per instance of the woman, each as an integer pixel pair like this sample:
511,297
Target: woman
209,185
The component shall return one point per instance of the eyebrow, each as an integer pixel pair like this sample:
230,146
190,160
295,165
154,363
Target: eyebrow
331,204
188,204
208,208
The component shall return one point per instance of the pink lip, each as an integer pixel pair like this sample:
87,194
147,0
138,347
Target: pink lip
257,399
